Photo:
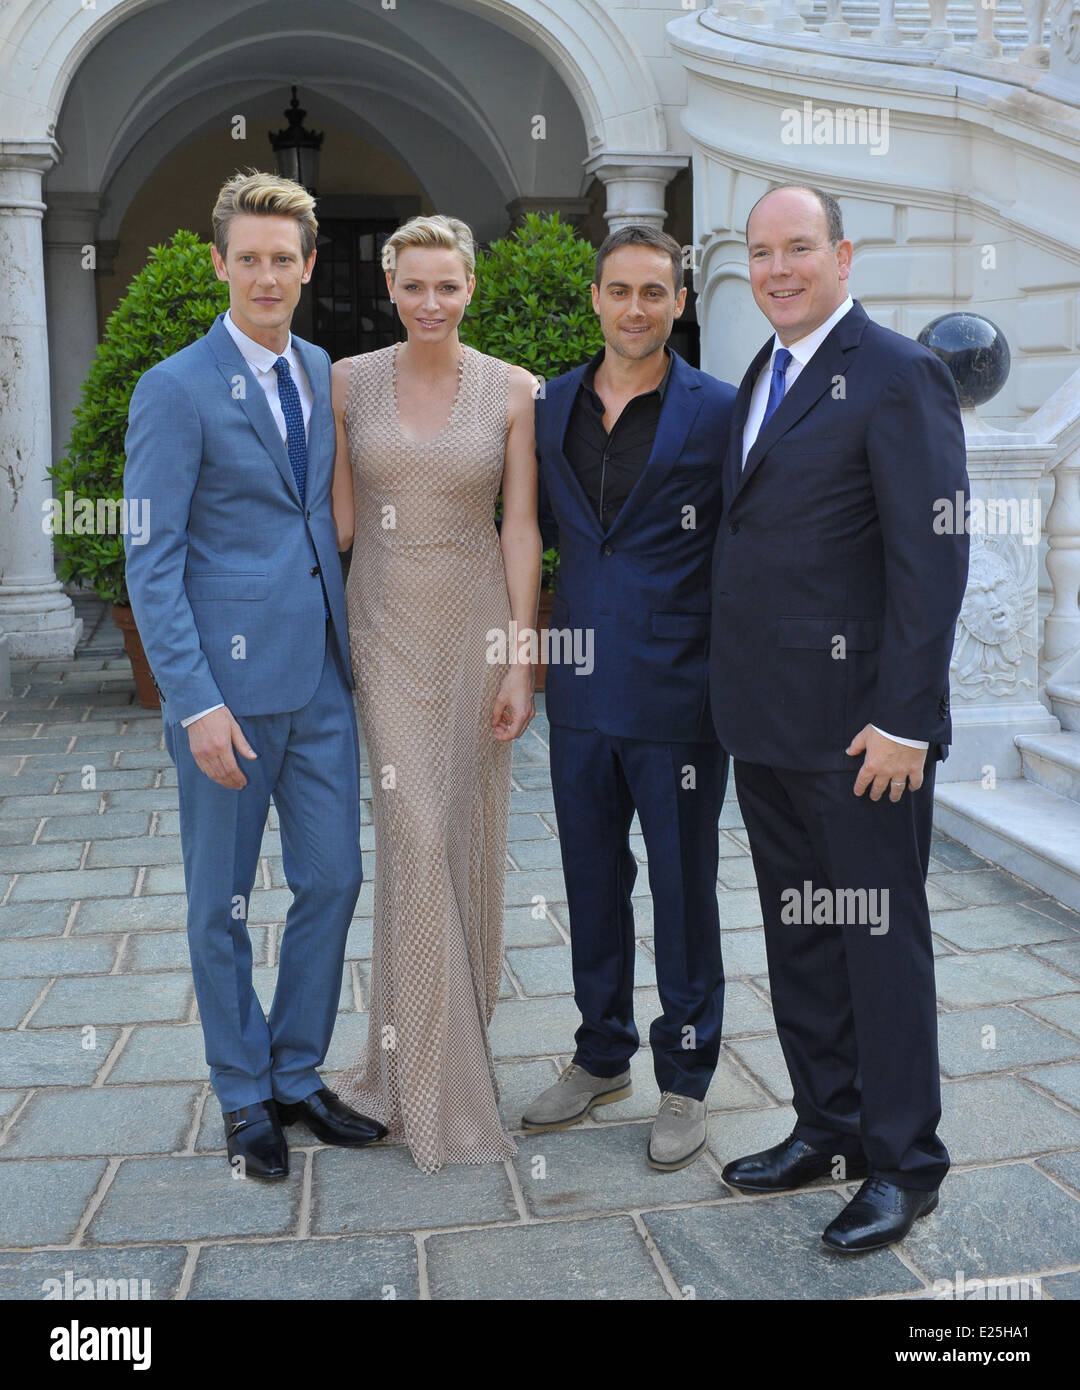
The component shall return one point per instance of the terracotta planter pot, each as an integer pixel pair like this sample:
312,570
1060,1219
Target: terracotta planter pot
140,667
543,620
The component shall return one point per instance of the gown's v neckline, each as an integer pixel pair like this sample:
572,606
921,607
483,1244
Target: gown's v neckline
423,443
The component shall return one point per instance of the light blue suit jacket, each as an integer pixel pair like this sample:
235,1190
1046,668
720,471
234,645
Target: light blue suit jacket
226,592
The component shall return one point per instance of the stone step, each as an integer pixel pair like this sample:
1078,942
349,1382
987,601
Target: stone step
1025,828
1065,702
1052,761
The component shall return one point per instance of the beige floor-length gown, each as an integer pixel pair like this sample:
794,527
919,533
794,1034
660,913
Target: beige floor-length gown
425,588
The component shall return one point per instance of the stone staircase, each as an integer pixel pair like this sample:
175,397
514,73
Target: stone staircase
1030,825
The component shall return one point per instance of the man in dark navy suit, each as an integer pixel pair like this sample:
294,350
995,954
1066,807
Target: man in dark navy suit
631,447
834,605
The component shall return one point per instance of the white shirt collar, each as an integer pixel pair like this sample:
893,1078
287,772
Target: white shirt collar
254,354
804,348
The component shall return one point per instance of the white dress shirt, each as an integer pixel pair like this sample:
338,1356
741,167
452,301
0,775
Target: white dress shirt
801,353
261,361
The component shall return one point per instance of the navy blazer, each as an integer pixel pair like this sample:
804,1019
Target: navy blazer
641,586
834,600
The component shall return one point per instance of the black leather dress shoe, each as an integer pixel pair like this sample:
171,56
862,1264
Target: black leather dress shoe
331,1120
879,1213
256,1142
786,1165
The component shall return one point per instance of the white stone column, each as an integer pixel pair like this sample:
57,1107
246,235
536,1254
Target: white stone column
635,184
71,303
35,612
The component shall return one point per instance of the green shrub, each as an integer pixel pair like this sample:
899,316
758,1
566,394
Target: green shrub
532,307
170,303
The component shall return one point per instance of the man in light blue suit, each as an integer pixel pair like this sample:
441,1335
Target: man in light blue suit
239,601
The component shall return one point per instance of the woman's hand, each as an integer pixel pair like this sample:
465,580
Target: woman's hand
514,707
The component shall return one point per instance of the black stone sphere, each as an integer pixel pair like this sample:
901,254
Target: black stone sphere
974,350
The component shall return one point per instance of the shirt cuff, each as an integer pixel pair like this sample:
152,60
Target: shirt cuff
192,717
907,742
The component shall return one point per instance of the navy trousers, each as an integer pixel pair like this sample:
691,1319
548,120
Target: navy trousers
855,1006
308,765
678,790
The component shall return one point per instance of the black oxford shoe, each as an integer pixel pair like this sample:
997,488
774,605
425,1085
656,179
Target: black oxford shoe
879,1213
786,1165
331,1120
255,1141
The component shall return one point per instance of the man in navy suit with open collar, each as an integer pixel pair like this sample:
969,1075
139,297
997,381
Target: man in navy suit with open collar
834,605
630,448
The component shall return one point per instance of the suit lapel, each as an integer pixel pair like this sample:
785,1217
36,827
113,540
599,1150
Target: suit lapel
252,400
561,406
738,422
682,402
818,376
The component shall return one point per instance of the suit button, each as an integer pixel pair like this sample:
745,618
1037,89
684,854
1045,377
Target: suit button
733,528
315,569
607,549
308,515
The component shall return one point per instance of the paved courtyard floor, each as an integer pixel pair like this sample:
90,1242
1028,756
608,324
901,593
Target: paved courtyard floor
112,1159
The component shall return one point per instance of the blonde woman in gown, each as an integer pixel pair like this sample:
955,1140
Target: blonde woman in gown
429,431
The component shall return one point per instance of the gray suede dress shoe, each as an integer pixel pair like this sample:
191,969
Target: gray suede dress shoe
572,1097
678,1132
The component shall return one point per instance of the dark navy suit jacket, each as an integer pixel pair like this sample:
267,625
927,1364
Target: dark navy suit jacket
642,585
834,600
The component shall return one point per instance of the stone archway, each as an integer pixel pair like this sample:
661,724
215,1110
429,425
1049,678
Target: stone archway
42,48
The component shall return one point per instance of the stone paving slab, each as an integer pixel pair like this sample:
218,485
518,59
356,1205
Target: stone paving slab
600,1168
42,1200
379,1188
54,1056
1061,1081
1000,1117
360,1267
16,998
993,1222
999,1039
193,1198
81,999
982,929
112,1120
769,1248
149,1272
995,977
38,919
580,1260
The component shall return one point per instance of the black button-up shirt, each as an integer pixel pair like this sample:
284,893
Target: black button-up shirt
608,465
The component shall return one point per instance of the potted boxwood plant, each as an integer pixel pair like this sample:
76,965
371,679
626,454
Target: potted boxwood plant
532,307
170,303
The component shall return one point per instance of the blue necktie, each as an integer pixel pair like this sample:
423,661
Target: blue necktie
296,436
776,383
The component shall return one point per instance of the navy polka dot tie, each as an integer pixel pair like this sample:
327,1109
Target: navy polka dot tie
296,439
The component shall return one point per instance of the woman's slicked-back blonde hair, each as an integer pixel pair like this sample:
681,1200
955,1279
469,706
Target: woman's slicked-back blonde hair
446,233
265,195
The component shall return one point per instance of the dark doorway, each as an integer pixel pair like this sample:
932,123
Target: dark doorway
351,307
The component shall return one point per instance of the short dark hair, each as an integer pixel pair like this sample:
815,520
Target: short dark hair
637,234
834,222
